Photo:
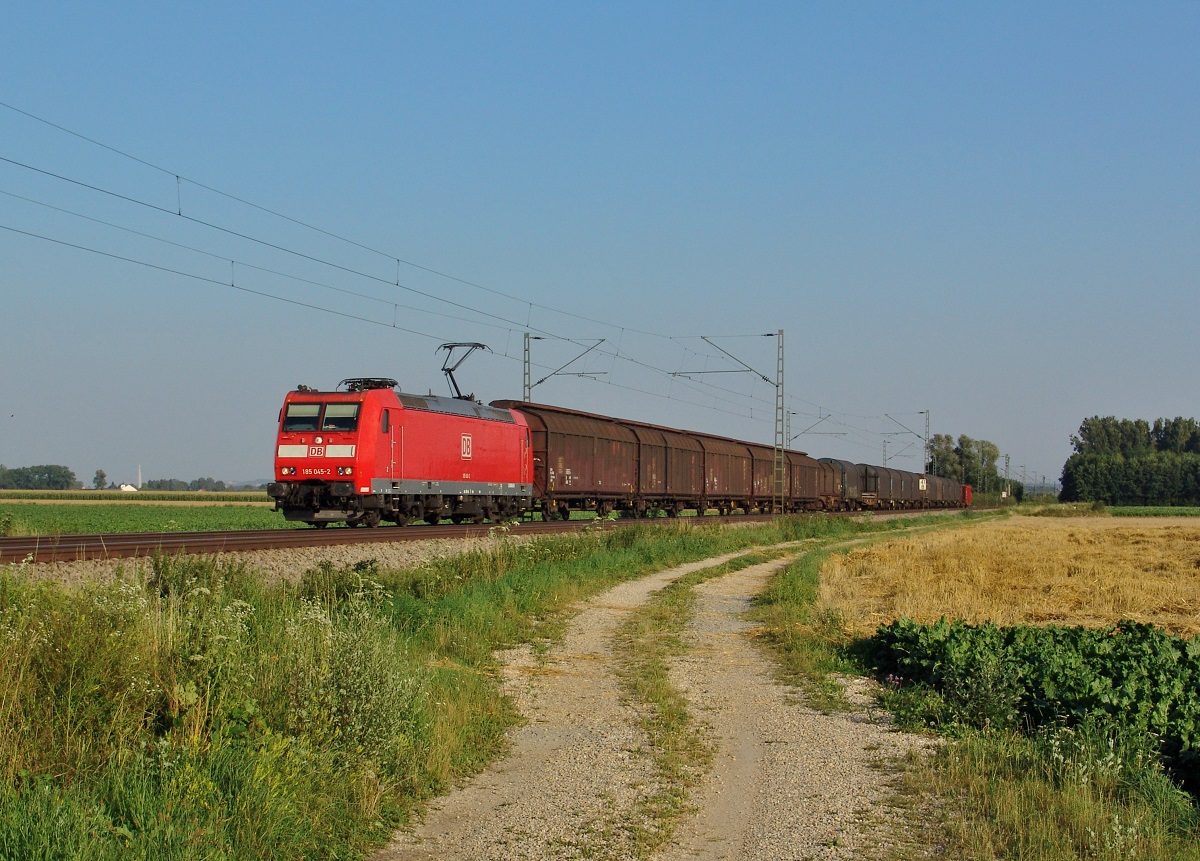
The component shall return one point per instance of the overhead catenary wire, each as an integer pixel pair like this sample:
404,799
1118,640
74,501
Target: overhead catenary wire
266,270
349,270
616,354
702,388
231,283
180,178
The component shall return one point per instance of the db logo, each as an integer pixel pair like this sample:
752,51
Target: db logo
466,446
316,451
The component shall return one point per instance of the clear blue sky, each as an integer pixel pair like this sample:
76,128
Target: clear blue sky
988,211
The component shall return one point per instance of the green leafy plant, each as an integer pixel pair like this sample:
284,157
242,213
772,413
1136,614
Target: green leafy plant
1131,674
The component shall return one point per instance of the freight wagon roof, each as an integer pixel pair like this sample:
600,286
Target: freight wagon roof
694,438
571,422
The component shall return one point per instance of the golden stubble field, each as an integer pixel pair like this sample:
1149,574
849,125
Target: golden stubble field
1025,570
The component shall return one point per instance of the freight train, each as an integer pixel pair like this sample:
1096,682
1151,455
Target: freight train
368,453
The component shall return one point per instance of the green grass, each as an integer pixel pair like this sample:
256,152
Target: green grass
201,714
119,497
1063,509
1099,509
810,646
1066,793
62,519
1155,511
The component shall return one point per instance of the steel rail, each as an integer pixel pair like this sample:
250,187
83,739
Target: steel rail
123,545
73,548
90,547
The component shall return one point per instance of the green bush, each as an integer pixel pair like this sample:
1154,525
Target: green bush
1131,675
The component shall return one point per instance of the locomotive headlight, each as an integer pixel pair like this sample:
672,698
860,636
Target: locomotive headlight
319,440
345,470
287,470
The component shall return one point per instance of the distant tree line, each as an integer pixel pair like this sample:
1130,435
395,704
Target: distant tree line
969,461
54,477
210,484
42,477
1132,462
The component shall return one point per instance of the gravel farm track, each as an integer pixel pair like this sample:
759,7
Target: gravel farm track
785,781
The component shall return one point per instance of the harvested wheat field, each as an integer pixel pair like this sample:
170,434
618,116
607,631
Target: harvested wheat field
1025,570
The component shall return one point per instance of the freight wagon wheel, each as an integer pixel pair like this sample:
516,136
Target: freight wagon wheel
432,518
564,512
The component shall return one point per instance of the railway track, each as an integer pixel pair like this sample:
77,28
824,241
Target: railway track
122,545
74,548
77,548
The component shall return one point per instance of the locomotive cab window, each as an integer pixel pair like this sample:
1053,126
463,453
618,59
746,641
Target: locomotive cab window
301,417
340,417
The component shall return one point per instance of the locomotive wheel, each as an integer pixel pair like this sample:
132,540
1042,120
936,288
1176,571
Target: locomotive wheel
370,519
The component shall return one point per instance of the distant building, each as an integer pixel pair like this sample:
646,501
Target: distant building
128,488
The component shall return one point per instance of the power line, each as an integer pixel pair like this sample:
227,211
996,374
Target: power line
311,258
243,263
207,280
618,353
179,177
254,239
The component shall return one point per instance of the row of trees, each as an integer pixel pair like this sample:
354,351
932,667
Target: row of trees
210,484
1136,437
969,461
1132,462
42,477
54,477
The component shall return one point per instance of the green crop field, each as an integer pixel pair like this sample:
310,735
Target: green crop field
117,497
1155,511
50,518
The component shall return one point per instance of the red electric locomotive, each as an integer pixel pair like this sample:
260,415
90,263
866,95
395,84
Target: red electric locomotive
368,452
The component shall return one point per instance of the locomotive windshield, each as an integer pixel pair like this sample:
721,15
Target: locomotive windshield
301,417
340,417
309,417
